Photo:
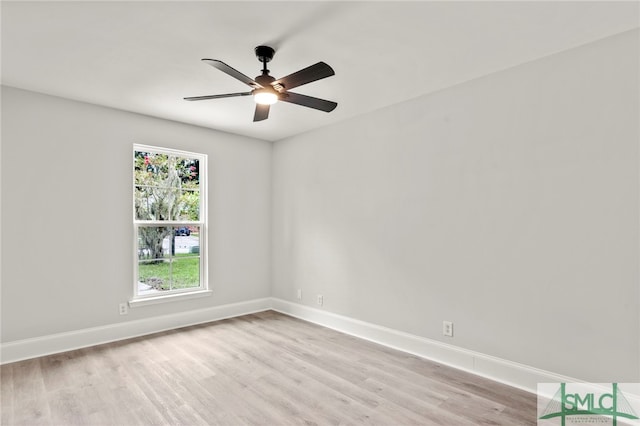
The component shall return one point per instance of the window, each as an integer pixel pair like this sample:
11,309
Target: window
169,221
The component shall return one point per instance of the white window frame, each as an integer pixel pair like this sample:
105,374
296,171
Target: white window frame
177,294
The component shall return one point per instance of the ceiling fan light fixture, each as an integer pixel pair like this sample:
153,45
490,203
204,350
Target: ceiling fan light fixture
265,97
266,90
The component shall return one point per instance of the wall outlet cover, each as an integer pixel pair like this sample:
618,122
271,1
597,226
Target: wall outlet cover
123,308
447,328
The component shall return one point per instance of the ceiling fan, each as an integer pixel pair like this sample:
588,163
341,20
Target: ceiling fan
267,90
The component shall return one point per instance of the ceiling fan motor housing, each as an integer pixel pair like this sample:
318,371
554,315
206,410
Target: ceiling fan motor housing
264,80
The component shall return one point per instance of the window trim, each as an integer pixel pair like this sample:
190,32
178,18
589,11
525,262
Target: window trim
145,301
177,294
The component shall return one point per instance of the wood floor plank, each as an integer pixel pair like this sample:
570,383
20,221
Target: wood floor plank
407,368
260,369
339,358
324,373
6,394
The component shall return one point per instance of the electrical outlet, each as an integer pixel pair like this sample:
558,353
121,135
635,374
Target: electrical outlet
320,300
124,309
299,294
447,328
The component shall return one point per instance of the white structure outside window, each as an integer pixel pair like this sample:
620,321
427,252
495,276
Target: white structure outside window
169,224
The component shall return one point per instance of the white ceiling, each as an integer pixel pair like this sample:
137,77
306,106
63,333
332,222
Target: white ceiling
145,56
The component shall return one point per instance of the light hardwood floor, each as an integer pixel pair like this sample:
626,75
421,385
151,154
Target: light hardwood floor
260,369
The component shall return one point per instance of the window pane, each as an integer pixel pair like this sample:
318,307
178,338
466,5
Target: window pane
168,258
154,243
185,271
189,205
166,187
187,240
186,263
154,276
143,203
149,166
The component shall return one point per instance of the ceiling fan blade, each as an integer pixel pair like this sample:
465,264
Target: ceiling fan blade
232,72
307,75
308,101
262,112
228,95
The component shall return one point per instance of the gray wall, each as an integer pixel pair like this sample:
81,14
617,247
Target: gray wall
507,204
67,213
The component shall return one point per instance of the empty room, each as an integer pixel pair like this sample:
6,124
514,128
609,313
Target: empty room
319,213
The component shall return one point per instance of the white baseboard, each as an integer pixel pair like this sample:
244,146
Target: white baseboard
501,370
61,342
511,373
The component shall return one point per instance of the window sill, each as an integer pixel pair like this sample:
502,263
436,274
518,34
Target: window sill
135,303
